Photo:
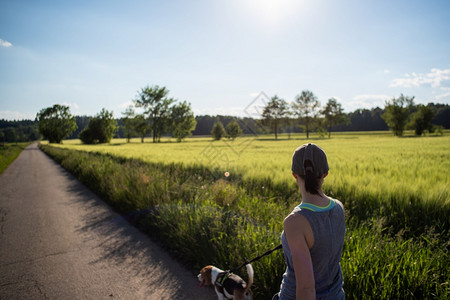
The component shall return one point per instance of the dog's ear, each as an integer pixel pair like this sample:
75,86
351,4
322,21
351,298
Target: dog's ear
206,275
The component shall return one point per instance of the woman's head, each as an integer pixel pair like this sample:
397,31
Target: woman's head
310,163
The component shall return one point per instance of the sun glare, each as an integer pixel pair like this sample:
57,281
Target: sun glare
271,14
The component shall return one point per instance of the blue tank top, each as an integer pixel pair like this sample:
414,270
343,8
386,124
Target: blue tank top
328,226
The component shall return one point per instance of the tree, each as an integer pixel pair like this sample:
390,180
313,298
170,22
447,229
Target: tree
396,113
442,116
100,128
217,130
157,107
56,123
129,123
205,124
182,120
274,113
306,107
11,135
25,130
334,114
34,134
233,130
82,122
364,120
141,126
421,120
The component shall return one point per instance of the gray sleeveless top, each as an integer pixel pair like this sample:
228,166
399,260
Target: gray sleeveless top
328,226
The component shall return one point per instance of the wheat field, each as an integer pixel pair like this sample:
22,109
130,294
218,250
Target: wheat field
377,164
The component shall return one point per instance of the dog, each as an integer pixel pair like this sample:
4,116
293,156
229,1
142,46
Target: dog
226,284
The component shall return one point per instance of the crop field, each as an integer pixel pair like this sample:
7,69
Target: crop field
396,192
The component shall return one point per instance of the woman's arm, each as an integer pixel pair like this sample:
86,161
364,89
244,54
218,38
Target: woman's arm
296,228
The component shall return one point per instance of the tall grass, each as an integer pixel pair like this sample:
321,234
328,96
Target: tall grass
9,152
378,266
205,218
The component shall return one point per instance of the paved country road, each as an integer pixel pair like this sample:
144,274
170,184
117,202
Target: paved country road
60,241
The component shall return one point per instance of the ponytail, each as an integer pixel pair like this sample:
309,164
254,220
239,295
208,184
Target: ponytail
312,183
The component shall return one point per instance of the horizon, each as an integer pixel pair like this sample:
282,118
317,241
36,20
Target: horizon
206,115
220,56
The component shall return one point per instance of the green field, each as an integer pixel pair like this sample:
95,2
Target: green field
380,166
396,192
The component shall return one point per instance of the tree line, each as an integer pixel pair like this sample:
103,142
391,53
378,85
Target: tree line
158,114
19,131
399,114
305,114
154,114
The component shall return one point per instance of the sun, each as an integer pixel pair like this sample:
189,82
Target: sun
271,14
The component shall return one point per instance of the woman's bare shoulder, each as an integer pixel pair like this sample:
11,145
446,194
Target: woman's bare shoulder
294,220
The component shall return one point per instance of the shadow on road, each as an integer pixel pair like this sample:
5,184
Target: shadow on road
127,247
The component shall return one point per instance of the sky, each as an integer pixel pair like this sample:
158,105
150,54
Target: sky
222,56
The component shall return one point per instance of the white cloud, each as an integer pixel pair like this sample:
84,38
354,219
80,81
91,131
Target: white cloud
15,115
367,101
434,78
125,105
443,96
71,105
369,97
5,44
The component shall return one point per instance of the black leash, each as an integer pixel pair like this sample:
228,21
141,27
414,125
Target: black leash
256,258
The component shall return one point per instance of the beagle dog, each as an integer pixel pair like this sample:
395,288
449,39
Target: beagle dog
226,284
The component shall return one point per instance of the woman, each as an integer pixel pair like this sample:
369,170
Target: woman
313,235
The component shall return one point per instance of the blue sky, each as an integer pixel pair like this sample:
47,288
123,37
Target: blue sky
220,54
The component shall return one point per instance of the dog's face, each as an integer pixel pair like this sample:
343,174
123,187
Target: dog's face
205,276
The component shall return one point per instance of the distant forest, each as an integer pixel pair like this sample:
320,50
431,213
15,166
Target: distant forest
360,120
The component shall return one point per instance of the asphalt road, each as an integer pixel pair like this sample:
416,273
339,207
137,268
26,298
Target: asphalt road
60,241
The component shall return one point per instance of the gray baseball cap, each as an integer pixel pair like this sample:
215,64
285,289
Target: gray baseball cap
313,153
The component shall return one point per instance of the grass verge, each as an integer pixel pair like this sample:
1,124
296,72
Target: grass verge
8,153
